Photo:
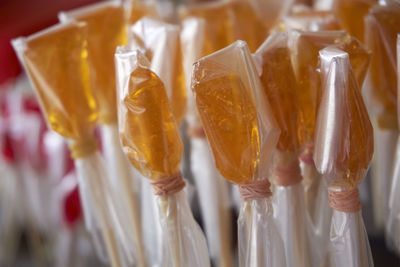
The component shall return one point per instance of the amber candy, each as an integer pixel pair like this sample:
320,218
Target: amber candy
344,137
161,44
241,141
106,31
138,9
218,19
56,61
247,25
382,27
351,15
149,134
311,20
305,49
279,84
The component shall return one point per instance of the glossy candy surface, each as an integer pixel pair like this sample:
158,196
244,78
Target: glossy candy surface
57,63
148,131
235,114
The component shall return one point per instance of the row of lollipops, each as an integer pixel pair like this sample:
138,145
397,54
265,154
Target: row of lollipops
297,98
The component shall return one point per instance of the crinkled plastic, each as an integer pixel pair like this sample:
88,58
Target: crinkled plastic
106,31
343,151
212,189
271,11
235,113
160,42
305,47
151,141
242,133
344,140
51,58
382,26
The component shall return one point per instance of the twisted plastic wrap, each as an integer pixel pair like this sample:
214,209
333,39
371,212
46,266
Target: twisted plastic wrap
311,20
238,122
382,26
151,141
137,9
160,42
343,151
106,31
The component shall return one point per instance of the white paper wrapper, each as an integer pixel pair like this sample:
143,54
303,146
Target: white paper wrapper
349,244
291,216
261,244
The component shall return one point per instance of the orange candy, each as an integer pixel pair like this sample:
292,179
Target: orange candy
148,131
56,61
106,31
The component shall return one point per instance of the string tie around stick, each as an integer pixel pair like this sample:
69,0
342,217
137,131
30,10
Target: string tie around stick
196,132
346,201
168,186
255,190
83,148
286,175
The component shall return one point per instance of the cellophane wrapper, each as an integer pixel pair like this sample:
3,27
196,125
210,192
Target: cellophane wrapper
212,189
393,220
183,243
256,219
253,229
343,127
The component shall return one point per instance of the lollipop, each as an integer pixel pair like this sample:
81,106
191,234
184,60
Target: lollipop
106,30
242,133
161,43
151,141
311,20
343,151
56,61
274,60
381,28
351,15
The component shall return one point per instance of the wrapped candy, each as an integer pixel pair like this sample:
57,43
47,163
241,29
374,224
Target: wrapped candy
393,221
151,141
381,27
160,42
274,59
305,47
343,151
51,58
107,30
351,15
242,133
137,9
311,20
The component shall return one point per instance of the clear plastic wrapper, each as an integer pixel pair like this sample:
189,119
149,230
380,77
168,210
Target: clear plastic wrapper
107,30
212,189
311,20
51,57
151,141
242,132
137,9
393,220
160,42
274,59
343,151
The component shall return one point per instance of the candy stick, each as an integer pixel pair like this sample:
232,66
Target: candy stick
107,30
52,57
381,29
151,141
242,134
343,151
212,189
